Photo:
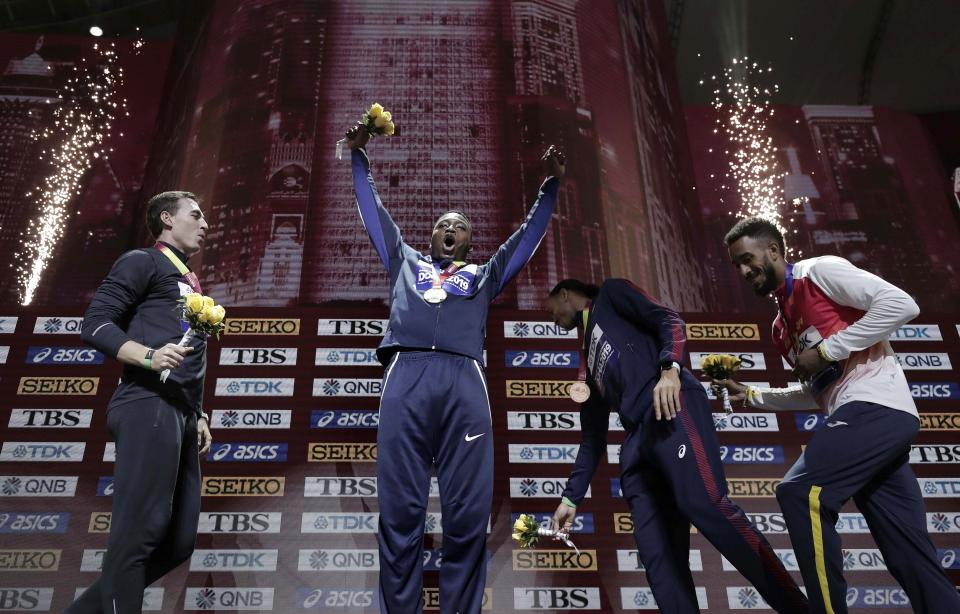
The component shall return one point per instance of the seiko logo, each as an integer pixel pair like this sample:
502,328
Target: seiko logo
346,357
233,560
59,385
543,453
742,332
344,419
61,325
263,357
346,387
239,522
30,560
529,389
939,421
527,560
556,598
929,361
543,421
37,486
100,522
24,523
355,328
342,452
251,418
216,486
431,599
917,332
536,330
262,326
935,454
752,487
248,452
50,418
541,359
26,599
248,386
935,390
751,455
629,560
42,451
748,360
213,598
522,488
48,355
745,422
338,560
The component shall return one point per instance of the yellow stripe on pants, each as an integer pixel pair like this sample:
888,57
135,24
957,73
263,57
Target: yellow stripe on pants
818,547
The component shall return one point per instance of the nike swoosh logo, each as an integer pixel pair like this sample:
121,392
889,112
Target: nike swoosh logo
837,423
472,437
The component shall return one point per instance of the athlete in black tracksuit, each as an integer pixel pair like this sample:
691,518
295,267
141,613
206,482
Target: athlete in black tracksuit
156,495
671,472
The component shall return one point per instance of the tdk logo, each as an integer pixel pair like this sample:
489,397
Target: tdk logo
541,359
917,332
239,522
751,455
935,390
629,560
346,357
583,523
346,387
42,451
248,386
50,418
344,419
37,485
25,523
536,330
319,522
251,418
937,488
262,357
351,327
543,453
248,452
57,326
233,560
51,355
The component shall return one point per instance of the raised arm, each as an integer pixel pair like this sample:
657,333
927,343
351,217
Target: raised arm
522,244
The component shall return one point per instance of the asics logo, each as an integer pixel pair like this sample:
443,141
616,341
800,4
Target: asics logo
682,451
472,437
837,423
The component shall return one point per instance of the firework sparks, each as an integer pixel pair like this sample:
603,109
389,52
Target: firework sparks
741,97
81,130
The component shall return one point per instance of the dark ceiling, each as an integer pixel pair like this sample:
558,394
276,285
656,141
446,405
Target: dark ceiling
899,53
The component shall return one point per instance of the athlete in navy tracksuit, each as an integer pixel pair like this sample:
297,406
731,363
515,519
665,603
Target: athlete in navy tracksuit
671,472
434,406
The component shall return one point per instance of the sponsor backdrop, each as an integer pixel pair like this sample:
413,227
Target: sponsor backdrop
289,514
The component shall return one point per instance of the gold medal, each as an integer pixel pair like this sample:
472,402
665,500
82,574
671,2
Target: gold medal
579,392
435,295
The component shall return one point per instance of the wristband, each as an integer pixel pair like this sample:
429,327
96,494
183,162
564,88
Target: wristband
204,416
148,360
568,502
823,353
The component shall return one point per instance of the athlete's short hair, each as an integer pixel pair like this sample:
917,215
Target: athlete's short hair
588,290
755,228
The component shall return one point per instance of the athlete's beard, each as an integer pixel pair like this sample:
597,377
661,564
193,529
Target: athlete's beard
769,279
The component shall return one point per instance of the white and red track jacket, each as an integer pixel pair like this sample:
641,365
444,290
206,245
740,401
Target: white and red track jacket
854,312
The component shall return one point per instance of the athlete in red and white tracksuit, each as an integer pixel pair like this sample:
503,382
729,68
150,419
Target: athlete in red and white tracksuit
863,449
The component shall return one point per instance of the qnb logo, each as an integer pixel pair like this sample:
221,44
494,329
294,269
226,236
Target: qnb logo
212,598
339,560
346,387
252,418
940,522
538,487
331,387
37,486
521,329
536,330
57,325
748,598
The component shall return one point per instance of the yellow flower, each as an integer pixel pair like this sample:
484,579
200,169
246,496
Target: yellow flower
375,110
208,302
213,314
708,361
381,120
518,525
389,129
193,302
517,537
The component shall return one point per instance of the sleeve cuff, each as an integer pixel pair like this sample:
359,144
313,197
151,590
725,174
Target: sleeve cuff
566,501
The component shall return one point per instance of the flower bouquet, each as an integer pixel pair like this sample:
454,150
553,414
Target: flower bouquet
376,121
527,532
203,315
721,366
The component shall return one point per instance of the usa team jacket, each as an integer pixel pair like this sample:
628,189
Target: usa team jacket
853,312
628,337
458,324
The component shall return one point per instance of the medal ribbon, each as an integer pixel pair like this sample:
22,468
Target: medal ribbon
438,279
582,371
788,291
189,275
